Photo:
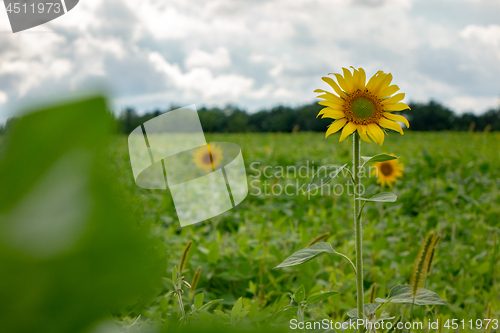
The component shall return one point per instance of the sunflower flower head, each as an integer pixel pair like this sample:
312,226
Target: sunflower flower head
208,157
387,172
362,107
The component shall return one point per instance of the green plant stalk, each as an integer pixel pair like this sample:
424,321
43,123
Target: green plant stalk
300,314
358,229
181,305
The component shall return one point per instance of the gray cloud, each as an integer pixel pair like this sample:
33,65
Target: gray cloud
254,53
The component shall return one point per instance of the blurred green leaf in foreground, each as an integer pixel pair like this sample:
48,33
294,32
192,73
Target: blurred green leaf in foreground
71,252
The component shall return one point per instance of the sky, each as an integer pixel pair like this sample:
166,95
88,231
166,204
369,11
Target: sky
151,54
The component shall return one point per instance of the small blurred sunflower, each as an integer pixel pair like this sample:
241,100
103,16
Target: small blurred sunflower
388,171
362,107
208,159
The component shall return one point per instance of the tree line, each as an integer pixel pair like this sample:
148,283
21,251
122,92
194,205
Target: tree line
430,116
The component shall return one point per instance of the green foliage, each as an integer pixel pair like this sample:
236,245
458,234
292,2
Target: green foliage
422,262
378,158
299,294
297,309
433,116
324,176
194,281
452,189
71,248
307,254
381,197
319,238
236,313
184,256
198,300
453,192
320,297
403,294
368,310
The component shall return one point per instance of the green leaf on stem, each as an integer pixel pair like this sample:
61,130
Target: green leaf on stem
381,197
238,306
368,310
373,311
198,300
174,274
278,314
242,314
378,158
300,294
320,297
206,306
169,281
222,314
324,176
307,254
402,294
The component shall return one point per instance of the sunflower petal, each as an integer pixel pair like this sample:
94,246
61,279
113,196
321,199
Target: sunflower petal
348,77
373,80
388,91
390,125
376,82
331,104
383,84
332,98
376,133
381,181
362,133
381,134
322,112
348,129
334,85
341,81
396,107
362,78
397,117
335,127
355,79
372,136
332,113
394,99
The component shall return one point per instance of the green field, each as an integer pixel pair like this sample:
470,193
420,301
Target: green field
450,186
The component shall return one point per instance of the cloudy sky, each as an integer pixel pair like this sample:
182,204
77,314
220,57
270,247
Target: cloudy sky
252,53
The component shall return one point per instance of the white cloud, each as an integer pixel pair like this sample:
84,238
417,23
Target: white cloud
199,58
169,23
3,97
35,73
254,53
472,103
201,81
487,35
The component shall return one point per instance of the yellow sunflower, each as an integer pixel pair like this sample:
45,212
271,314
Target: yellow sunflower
208,159
362,107
388,171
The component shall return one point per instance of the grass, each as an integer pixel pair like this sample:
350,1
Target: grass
450,186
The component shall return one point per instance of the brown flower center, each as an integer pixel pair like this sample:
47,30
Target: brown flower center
206,159
362,108
386,169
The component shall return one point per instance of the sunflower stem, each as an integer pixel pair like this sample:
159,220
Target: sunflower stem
358,230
